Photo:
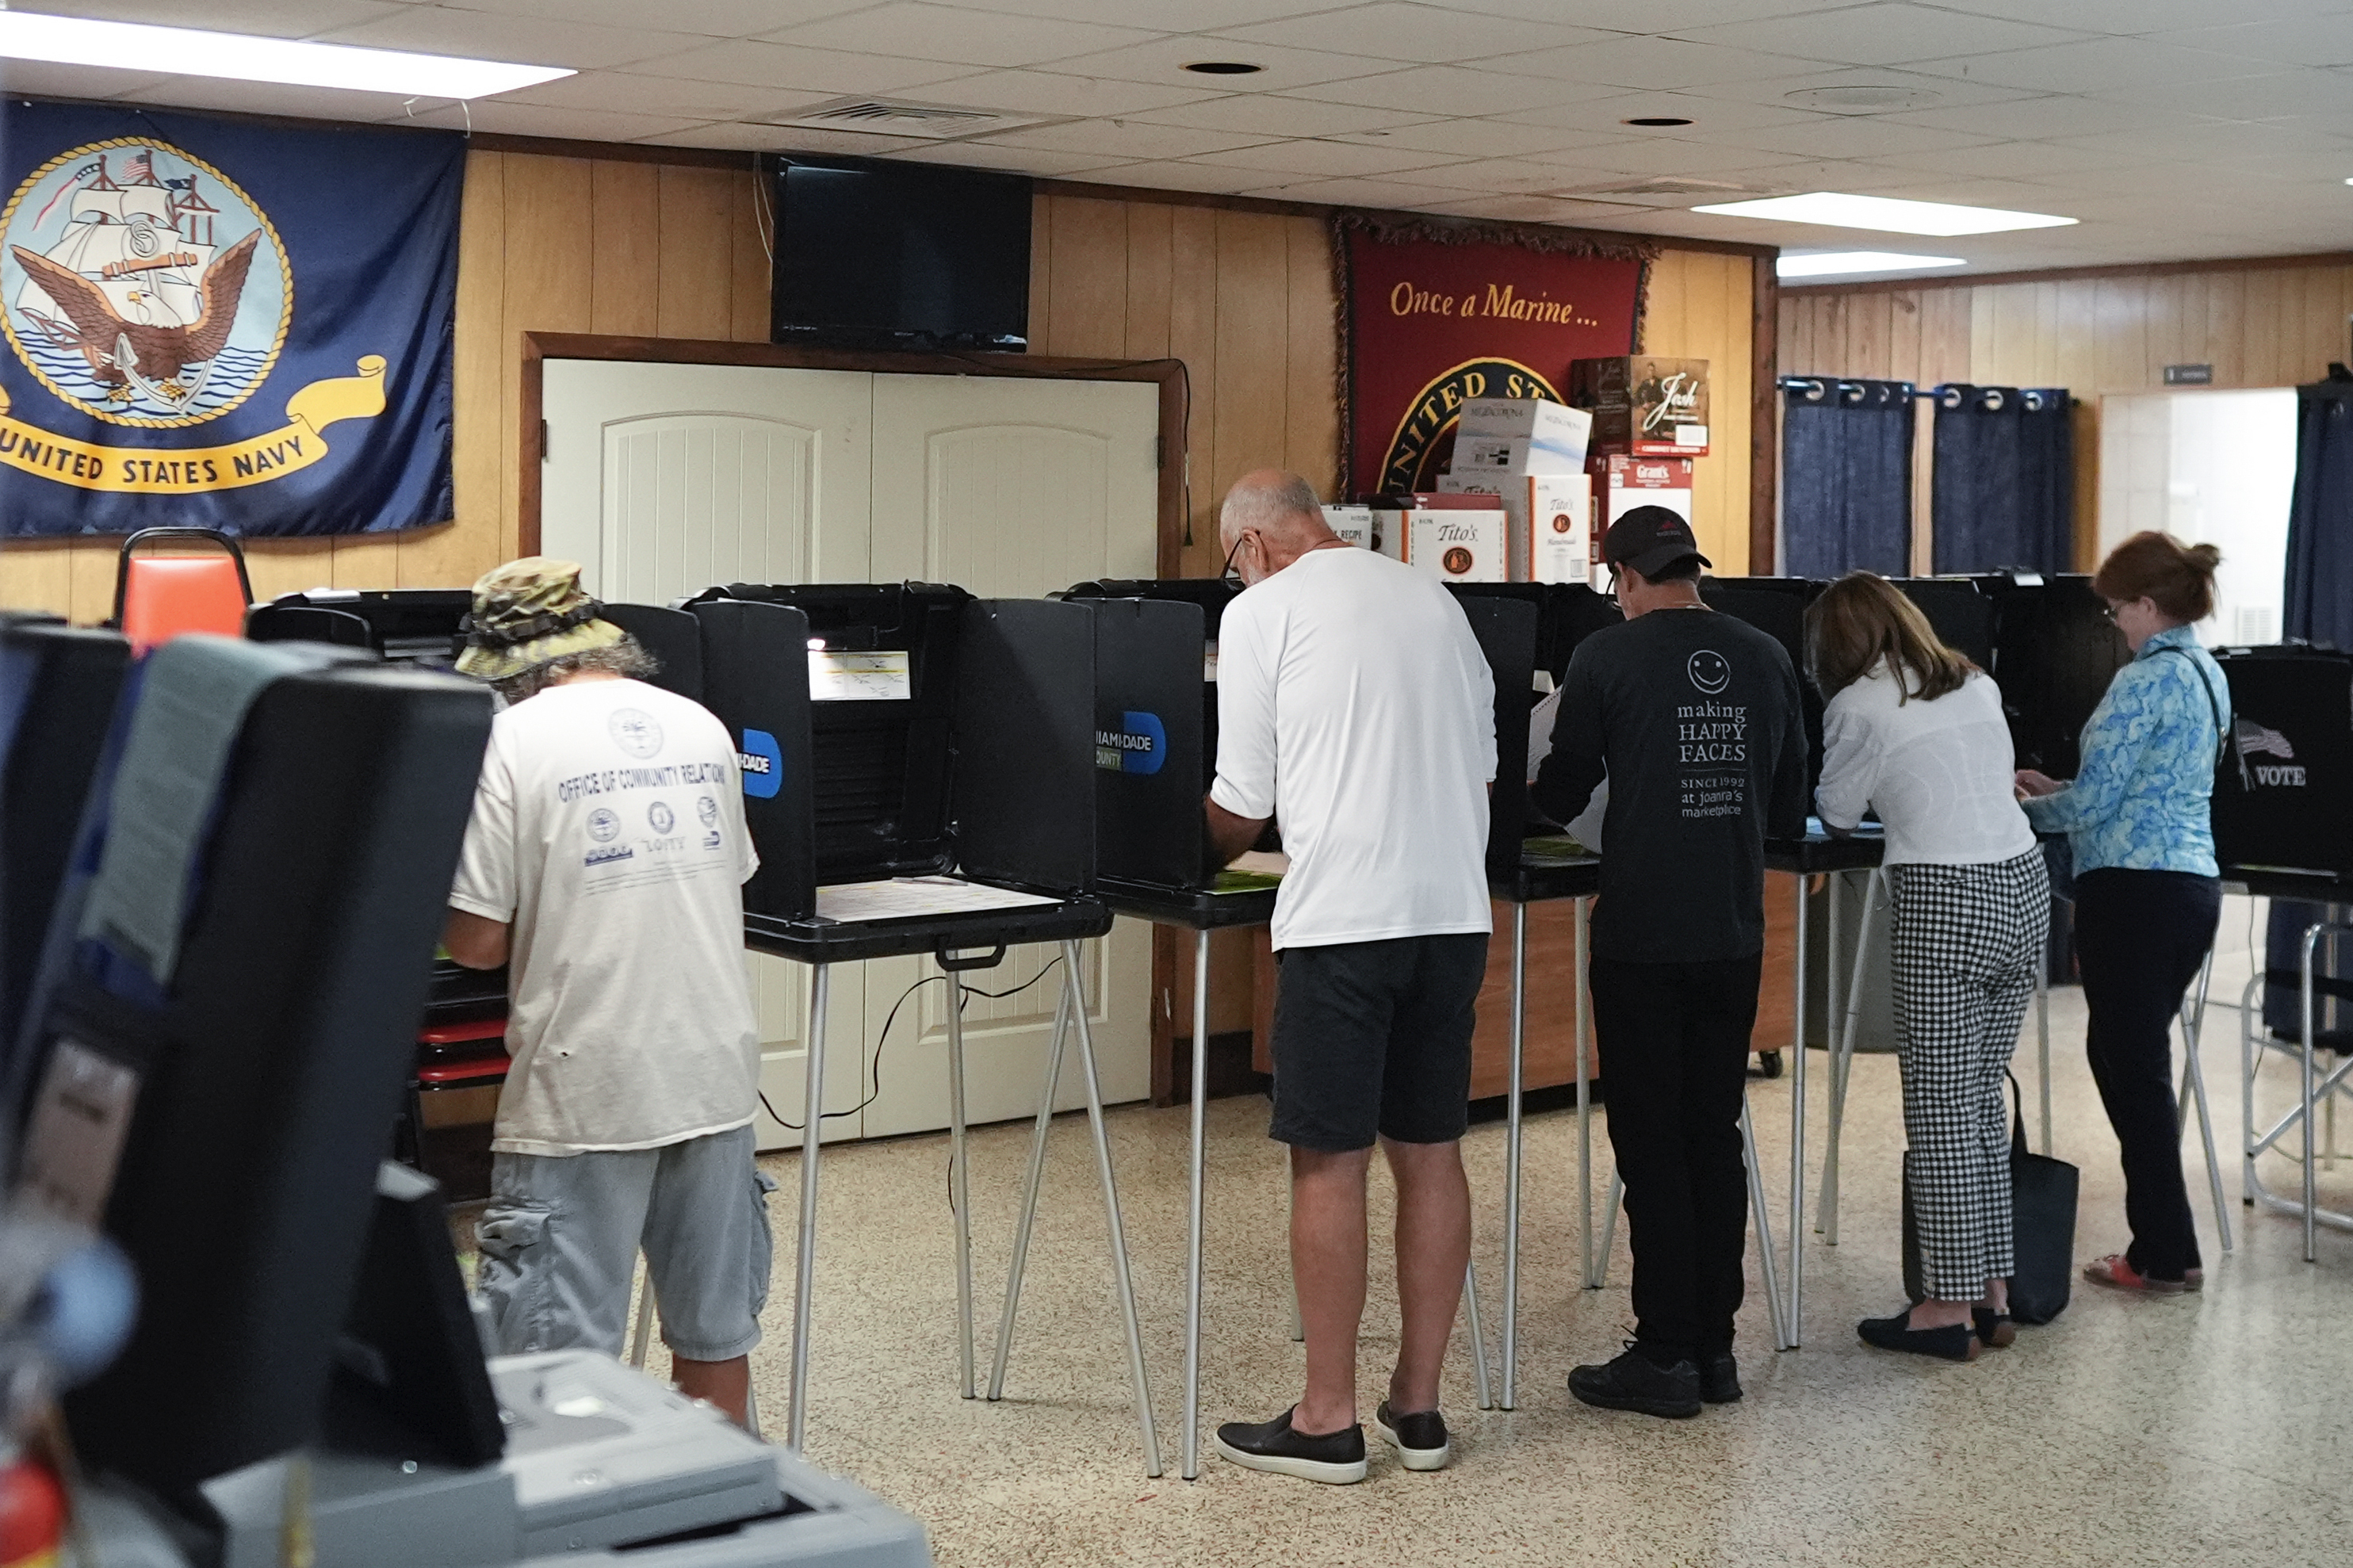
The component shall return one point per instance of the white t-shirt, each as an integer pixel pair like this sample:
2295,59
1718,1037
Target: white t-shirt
1938,772
1354,707
608,827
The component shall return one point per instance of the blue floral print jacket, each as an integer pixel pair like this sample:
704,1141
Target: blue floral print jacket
2142,794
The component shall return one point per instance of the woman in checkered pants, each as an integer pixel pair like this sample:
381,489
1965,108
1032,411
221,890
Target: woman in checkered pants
1915,732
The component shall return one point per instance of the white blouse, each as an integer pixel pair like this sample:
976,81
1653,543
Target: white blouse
1938,772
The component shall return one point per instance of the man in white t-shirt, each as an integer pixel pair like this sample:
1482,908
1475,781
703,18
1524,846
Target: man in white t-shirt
1355,709
604,866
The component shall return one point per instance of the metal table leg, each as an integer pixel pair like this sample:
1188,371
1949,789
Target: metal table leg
2193,1084
1029,1194
1843,1067
960,1187
1512,1148
1609,1227
1581,1041
805,1259
1478,1335
1797,1311
1782,1340
1075,991
1190,1468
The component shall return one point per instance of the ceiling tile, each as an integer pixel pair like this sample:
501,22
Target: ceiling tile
1608,111
1126,141
1272,114
1934,92
258,97
2200,140
444,30
712,19
264,18
1329,159
1447,90
2269,97
808,70
1662,155
47,80
1517,175
1422,35
2303,41
1160,16
2057,114
2012,160
1164,61
2095,66
489,114
1487,138
1005,160
1645,16
1882,34
2130,16
946,33
1170,176
746,136
1848,137
1658,64
1056,92
666,97
1355,193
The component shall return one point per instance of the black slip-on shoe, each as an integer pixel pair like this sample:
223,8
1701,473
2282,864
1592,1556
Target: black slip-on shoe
1719,1378
1995,1330
1956,1341
1337,1458
1420,1437
1634,1381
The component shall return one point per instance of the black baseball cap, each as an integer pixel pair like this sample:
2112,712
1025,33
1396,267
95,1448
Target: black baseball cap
1650,539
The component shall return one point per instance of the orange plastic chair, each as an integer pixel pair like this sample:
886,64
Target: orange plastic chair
157,597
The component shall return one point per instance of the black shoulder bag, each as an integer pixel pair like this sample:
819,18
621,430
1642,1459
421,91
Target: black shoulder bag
2042,1227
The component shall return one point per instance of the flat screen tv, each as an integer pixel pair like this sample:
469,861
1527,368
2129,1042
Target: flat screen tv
898,256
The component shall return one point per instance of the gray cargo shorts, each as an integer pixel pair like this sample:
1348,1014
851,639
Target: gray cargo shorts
560,1241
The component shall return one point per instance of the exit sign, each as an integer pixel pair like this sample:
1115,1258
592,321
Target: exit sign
2189,375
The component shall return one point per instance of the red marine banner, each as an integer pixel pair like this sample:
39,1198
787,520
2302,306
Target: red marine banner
1433,315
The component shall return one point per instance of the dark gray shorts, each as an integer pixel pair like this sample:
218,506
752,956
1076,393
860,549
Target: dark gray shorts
1374,1038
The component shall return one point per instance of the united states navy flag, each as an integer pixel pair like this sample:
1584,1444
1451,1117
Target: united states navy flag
221,325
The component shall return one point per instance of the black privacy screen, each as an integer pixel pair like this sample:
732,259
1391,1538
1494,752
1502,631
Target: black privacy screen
1151,737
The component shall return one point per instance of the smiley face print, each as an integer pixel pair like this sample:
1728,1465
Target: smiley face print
1709,671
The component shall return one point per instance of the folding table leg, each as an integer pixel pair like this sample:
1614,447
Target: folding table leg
1616,1201
1582,1041
1843,1067
805,1259
960,1187
2193,1080
1797,1311
1191,1466
1123,1276
1029,1194
641,1337
1511,1149
1782,1340
1478,1335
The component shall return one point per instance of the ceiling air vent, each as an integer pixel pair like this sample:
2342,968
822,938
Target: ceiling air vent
918,122
1664,190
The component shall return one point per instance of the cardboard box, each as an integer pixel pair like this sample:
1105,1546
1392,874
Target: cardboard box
1642,404
1514,455
1458,538
1538,419
1621,483
1544,516
1352,523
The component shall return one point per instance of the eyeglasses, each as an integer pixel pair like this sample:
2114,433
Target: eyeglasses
1229,576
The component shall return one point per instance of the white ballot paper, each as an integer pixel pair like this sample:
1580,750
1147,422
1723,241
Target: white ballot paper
1587,828
910,897
879,676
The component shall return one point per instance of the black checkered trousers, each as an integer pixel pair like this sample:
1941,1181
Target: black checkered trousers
1963,941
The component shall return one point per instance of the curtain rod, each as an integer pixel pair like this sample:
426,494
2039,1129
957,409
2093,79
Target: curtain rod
1949,396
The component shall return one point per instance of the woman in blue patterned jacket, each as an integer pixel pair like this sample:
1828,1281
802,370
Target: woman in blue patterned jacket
2146,889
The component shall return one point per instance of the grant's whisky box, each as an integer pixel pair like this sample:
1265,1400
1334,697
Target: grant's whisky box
1643,405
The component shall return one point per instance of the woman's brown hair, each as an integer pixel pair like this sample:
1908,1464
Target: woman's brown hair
1860,620
2177,578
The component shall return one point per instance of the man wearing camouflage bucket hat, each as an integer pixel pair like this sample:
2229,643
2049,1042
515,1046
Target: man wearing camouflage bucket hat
604,866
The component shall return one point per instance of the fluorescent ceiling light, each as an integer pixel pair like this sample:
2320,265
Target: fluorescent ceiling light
1839,210
1832,263
184,51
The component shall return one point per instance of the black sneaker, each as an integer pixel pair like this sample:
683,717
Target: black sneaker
1337,1458
1634,1381
1719,1378
1419,1439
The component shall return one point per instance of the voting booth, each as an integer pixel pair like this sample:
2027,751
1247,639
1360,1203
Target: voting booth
1776,607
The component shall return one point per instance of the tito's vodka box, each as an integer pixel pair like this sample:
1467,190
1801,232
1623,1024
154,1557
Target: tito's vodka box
1619,485
1459,538
1545,515
1352,523
1642,404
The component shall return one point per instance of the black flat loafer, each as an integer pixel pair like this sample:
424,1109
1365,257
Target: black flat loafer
1995,1330
1957,1342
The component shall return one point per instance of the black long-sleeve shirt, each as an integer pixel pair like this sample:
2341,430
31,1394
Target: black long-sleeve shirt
1695,717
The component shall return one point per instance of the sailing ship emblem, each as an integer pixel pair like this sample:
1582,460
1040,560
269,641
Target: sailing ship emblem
141,285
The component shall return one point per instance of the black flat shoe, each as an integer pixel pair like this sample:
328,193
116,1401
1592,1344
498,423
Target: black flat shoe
1719,1378
1995,1330
1334,1458
1957,1342
1634,1381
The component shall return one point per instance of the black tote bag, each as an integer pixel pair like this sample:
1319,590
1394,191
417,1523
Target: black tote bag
2042,1227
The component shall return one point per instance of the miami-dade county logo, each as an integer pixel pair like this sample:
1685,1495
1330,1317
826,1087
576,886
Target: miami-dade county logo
143,288
1140,744
1418,452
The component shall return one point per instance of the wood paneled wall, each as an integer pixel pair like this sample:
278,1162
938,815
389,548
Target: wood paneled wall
2258,324
1701,305
546,244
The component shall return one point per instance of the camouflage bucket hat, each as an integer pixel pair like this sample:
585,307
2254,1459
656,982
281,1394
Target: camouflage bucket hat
528,613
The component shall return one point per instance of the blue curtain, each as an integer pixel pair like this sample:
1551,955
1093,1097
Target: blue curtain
2004,485
1846,477
2319,592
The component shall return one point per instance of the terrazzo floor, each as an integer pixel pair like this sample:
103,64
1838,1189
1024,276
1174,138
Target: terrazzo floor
2205,1428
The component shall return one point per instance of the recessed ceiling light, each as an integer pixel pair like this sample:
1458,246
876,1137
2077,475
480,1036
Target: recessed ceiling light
1833,263
1887,214
1656,119
1225,67
1864,95
185,51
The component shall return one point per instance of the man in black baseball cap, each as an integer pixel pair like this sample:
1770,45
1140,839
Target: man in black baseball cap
1694,718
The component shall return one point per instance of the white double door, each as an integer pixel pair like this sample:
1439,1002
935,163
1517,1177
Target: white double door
663,479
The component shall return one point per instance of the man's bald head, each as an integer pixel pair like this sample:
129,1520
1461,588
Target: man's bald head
1283,511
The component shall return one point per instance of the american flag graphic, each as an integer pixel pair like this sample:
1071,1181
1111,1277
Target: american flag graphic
2253,737
140,165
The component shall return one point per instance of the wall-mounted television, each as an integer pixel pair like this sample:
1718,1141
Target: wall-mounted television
873,255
